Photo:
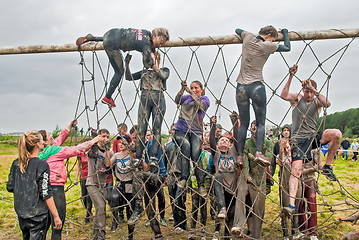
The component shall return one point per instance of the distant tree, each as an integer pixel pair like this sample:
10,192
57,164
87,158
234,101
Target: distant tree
347,122
56,132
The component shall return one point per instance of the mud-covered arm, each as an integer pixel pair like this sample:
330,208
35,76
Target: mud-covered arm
286,47
212,135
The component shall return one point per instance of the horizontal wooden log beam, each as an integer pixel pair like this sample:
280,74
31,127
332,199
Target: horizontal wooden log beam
181,42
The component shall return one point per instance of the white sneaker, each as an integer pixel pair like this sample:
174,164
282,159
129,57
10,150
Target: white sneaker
298,236
313,237
236,230
215,235
179,230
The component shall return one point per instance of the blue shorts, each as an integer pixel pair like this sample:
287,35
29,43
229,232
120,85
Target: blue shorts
301,147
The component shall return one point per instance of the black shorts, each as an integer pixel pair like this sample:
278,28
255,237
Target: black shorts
301,147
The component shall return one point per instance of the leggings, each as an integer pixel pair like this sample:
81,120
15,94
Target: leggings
178,205
152,103
119,198
86,200
199,204
256,92
191,149
60,203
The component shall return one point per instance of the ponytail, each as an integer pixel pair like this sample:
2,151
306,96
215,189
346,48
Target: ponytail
26,145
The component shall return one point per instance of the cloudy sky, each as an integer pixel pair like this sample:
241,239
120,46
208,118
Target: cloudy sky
40,91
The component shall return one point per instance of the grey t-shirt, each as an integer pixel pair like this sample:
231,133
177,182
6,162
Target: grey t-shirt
304,118
225,166
255,53
95,175
122,166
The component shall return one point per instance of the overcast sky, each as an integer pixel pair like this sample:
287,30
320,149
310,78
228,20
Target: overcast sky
40,91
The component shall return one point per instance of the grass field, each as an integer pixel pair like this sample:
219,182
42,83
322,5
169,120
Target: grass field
331,195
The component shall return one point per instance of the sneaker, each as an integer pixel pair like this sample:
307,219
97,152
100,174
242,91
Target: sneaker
137,213
289,211
240,163
261,159
313,237
202,191
82,40
179,230
171,218
181,184
148,223
109,102
163,222
153,162
236,230
328,172
215,235
191,236
87,220
298,236
203,234
114,226
222,213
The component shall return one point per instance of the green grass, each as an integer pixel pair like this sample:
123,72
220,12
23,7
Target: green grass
347,171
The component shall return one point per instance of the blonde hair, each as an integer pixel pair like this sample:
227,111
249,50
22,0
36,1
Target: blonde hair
161,32
26,145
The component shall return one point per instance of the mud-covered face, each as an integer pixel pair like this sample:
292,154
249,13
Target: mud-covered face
308,95
105,137
158,41
218,132
224,144
196,89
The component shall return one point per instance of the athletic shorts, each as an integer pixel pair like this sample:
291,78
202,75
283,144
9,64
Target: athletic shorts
301,147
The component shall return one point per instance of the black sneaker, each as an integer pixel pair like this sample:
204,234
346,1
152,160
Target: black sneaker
289,211
328,172
137,213
114,226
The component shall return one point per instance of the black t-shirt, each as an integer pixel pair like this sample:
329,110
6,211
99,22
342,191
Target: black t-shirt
30,188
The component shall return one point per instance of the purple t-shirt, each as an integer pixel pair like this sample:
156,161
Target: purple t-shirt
192,113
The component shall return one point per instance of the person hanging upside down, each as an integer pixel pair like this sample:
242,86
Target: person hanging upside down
118,39
255,52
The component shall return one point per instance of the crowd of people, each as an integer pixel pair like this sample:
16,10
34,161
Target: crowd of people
231,172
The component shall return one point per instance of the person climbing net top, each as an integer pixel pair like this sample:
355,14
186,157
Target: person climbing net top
127,39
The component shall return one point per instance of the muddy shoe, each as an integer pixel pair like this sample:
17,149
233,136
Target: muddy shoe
137,213
153,162
239,162
261,159
108,101
182,184
289,210
82,40
202,191
222,213
236,230
328,172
